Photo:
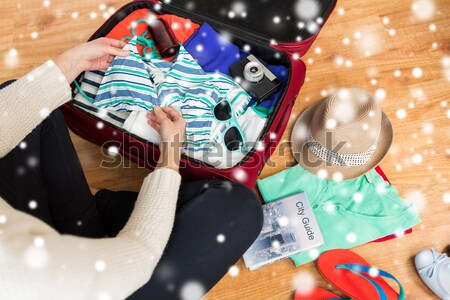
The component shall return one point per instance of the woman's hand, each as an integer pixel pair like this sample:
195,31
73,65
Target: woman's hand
95,55
171,126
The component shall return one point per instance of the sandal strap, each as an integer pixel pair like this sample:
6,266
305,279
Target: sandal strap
359,269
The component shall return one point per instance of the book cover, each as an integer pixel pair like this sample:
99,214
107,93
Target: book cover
289,227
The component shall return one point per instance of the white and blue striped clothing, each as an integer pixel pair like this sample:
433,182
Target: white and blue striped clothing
134,84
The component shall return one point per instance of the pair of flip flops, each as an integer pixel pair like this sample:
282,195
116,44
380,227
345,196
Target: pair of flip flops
353,276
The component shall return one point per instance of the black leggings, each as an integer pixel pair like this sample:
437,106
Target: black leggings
216,221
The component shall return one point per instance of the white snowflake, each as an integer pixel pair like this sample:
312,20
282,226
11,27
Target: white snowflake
46,3
380,94
346,41
44,112
192,290
113,150
303,281
93,15
3,219
417,72
386,20
39,241
423,9
432,27
220,238
358,197
11,57
374,272
36,257
351,237
34,35
23,145
240,175
417,159
340,11
417,198
100,265
446,198
307,9
397,73
322,173
233,271
32,204
401,113
427,128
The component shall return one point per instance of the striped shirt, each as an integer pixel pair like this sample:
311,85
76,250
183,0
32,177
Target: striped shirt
136,84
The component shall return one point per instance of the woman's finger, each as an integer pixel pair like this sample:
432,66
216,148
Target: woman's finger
155,125
116,51
172,112
152,117
115,43
160,114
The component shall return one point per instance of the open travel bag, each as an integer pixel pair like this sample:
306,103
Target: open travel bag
278,33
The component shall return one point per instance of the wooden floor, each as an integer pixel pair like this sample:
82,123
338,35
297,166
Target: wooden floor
372,44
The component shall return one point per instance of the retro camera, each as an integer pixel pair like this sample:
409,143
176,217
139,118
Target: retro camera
255,78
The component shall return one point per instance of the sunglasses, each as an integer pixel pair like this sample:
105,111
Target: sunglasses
233,137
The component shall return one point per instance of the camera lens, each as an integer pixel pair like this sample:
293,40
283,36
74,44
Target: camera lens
253,72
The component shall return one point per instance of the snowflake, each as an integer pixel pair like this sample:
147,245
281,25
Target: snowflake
373,272
276,20
36,257
233,271
401,113
3,219
322,173
113,150
318,50
358,197
392,31
399,233
417,159
427,128
240,175
46,3
397,73
314,253
23,145
100,125
12,57
44,112
100,265
102,6
307,9
93,15
32,204
380,94
199,48
34,35
340,11
39,241
432,27
417,72
283,221
303,281
423,9
417,198
346,41
446,198
220,238
351,237
386,20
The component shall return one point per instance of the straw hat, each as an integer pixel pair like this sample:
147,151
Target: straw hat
342,136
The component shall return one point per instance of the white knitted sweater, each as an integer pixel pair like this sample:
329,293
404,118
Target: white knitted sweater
36,262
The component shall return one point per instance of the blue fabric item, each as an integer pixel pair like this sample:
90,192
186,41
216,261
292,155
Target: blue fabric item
215,54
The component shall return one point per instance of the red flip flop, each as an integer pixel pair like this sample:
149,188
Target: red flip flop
315,293
354,276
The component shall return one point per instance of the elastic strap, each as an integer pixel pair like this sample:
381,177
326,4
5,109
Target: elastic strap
358,269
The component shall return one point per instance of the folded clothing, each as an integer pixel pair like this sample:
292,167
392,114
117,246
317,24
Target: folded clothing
216,54
133,84
181,28
349,213
252,125
89,85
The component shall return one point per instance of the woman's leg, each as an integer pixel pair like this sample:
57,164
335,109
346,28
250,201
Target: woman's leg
43,177
196,253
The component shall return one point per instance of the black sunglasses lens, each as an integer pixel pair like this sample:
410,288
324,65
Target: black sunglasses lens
222,111
233,139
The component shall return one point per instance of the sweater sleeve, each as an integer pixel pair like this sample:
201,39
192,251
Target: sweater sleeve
29,100
39,263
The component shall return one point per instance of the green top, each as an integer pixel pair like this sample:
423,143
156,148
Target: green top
349,213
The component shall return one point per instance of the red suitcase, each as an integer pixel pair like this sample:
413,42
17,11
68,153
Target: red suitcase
259,30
